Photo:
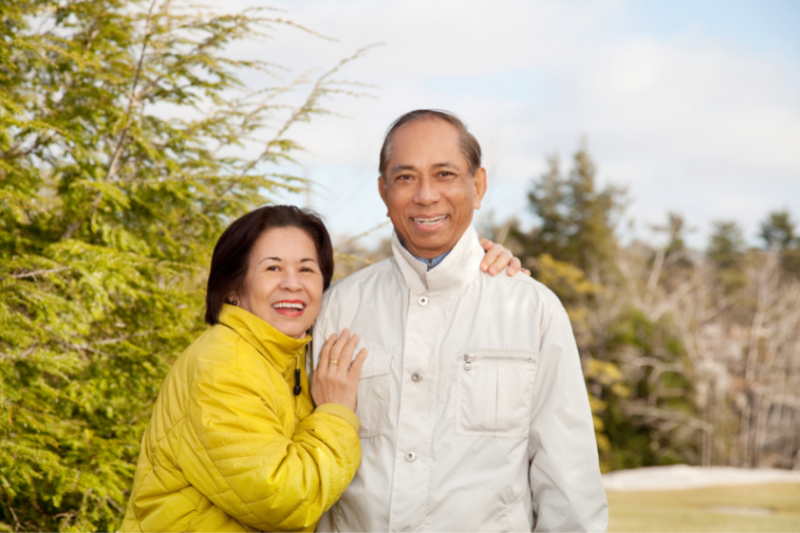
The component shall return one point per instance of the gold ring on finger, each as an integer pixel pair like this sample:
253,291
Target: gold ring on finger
334,362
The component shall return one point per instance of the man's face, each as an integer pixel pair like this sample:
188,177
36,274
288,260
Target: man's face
428,190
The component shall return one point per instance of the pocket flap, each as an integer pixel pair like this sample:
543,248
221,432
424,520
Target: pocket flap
377,363
501,356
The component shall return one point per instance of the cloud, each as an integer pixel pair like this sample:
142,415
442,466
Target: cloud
688,122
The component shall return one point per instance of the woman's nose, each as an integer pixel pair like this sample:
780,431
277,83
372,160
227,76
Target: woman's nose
291,282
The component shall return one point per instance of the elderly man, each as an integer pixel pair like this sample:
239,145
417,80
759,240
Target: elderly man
474,413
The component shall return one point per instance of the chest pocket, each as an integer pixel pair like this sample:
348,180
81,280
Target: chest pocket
373,393
495,392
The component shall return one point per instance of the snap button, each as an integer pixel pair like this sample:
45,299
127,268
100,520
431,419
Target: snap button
423,300
416,377
410,456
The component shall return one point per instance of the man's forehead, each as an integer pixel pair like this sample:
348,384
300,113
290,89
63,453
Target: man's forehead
428,142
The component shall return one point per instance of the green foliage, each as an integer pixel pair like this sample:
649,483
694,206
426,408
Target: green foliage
778,233
726,252
575,252
576,220
122,126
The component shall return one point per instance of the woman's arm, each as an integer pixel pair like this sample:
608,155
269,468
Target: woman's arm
236,452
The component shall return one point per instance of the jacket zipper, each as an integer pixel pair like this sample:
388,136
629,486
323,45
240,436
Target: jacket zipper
469,359
297,387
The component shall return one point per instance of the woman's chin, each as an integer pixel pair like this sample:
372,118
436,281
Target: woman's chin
291,327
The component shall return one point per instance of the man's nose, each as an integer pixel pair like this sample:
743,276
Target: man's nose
426,192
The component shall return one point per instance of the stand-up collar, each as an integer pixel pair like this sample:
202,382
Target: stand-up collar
279,348
459,268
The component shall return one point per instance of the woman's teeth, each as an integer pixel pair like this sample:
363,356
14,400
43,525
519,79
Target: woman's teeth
284,305
429,221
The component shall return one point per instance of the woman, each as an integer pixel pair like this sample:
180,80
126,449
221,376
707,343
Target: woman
234,442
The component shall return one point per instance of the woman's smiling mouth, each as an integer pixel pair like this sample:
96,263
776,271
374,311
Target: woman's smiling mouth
290,308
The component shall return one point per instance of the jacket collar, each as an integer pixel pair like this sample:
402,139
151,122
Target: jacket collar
458,269
279,348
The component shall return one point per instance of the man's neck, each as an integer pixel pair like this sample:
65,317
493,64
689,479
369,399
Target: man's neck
432,262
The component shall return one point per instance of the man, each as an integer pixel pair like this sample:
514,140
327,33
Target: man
474,413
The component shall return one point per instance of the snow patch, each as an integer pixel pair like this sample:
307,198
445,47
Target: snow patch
683,477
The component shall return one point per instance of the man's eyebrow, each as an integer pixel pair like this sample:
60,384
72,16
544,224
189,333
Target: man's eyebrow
435,165
403,167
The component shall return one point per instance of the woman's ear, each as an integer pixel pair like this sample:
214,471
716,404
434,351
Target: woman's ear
233,299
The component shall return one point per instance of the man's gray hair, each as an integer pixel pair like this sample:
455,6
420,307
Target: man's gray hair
469,144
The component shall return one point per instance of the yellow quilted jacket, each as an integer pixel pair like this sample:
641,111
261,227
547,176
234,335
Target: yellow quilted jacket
229,446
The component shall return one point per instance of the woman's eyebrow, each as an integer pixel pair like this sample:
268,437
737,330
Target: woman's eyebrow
308,259
269,259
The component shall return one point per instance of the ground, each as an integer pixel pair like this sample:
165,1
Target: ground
743,503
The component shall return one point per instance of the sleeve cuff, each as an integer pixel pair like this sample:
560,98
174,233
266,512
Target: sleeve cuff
340,410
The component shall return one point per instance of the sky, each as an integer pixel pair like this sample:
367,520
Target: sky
692,106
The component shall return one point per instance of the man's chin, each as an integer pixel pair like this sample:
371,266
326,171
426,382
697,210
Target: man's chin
429,247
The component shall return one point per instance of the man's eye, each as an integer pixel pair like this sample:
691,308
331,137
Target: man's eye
446,174
404,177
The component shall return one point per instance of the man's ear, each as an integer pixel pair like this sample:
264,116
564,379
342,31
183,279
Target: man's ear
382,192
480,187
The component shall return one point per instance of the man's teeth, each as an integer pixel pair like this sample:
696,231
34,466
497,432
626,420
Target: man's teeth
286,305
430,221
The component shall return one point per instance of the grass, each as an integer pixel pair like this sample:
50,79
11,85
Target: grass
693,510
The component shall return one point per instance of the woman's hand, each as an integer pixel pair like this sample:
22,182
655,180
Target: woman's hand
336,378
497,258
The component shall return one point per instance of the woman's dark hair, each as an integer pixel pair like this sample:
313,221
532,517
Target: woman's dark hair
232,253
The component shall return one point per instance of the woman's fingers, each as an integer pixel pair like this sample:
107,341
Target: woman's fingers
342,350
325,354
492,252
358,364
499,257
336,378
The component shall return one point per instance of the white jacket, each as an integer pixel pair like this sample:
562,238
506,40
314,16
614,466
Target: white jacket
474,413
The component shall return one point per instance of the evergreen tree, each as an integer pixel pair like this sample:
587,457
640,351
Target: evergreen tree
108,213
574,252
778,233
726,252
576,220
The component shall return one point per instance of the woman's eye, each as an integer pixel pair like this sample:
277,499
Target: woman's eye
273,268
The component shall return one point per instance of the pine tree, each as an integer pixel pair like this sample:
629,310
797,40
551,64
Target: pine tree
576,218
122,132
778,234
726,252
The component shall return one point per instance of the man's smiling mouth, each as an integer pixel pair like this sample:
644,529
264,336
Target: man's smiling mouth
429,221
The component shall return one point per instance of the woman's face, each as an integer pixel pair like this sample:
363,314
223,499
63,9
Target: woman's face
284,283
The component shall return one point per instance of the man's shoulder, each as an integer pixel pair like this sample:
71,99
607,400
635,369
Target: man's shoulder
357,280
522,286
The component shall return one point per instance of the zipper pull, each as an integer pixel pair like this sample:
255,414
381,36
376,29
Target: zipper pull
297,388
468,361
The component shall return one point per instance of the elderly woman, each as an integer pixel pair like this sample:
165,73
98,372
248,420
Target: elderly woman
234,442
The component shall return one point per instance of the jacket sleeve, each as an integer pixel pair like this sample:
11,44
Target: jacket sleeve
565,479
237,453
